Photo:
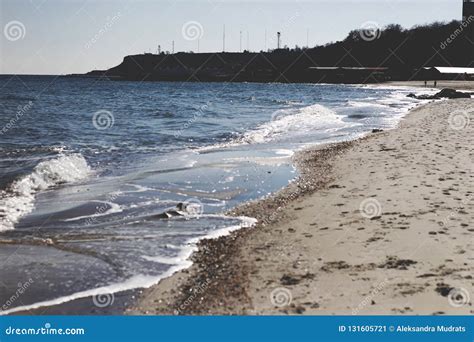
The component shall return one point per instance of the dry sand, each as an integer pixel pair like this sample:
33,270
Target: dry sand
459,85
382,225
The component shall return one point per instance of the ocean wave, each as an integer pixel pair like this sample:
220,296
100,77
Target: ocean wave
363,104
287,123
15,97
290,121
286,102
18,199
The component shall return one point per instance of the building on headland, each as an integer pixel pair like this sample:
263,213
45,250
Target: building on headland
446,73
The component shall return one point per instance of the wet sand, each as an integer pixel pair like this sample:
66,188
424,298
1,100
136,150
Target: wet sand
382,225
62,264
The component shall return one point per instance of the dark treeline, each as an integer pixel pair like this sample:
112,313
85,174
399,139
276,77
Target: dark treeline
401,51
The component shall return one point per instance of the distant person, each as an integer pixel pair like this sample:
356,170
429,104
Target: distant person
426,84
435,83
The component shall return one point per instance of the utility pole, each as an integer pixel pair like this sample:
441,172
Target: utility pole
265,40
159,49
278,39
223,39
240,41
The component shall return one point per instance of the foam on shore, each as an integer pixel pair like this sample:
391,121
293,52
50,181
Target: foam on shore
18,199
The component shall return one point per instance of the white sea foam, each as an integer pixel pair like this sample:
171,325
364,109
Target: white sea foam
139,188
267,161
18,200
113,208
284,152
362,104
396,102
290,121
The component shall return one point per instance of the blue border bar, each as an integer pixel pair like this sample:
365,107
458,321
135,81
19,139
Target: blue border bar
237,328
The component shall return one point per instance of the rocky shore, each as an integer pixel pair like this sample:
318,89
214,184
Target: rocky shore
446,93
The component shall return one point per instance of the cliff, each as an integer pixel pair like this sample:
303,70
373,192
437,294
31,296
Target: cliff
393,53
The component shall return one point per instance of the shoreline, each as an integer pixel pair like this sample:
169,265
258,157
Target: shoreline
457,85
315,167
205,273
227,276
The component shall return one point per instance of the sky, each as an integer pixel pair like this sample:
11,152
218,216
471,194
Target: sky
76,36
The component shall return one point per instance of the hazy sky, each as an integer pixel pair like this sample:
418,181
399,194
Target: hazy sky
75,36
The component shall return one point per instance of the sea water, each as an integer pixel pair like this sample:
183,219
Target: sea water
87,167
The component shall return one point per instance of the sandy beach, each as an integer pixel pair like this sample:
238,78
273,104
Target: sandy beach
458,85
381,225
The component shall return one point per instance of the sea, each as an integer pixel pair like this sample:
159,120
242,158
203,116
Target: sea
107,186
